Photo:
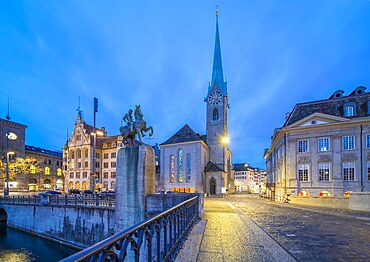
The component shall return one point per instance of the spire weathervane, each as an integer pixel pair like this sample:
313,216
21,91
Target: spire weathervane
216,10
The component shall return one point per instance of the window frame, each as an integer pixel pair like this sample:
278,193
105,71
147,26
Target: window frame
346,144
323,144
324,177
305,177
348,165
303,148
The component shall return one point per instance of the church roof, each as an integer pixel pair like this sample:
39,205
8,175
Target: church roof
211,167
217,71
185,134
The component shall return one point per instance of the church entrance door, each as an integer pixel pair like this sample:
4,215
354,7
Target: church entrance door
212,186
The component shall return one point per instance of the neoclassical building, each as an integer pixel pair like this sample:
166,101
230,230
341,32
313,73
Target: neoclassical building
323,146
194,163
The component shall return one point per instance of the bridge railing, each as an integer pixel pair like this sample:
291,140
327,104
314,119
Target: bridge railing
156,239
60,200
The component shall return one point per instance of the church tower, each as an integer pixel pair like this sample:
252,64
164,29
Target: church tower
217,107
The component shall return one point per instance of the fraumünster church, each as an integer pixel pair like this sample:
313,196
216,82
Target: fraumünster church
202,163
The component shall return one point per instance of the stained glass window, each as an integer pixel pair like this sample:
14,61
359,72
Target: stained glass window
181,175
172,168
189,168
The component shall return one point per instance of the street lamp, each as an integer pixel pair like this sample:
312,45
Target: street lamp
9,136
92,177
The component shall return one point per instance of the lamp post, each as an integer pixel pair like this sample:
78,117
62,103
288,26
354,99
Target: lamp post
9,136
92,177
225,142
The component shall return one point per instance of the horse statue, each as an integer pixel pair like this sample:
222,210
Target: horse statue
134,126
140,124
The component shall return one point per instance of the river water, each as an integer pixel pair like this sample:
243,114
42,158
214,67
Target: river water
18,246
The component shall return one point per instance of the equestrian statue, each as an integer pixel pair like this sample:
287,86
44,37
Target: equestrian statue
135,125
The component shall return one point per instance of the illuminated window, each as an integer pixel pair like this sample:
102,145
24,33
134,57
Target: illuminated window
181,175
172,168
188,160
47,170
215,115
59,172
303,172
72,164
324,171
324,144
349,171
32,169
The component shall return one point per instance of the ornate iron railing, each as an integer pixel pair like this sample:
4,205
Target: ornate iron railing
61,200
155,239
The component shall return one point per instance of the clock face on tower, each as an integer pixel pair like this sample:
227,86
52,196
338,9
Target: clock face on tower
215,98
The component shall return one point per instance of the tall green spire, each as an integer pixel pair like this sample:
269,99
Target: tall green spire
217,72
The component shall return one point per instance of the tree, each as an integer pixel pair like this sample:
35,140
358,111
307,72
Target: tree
20,166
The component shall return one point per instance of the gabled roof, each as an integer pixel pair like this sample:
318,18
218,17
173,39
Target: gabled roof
185,134
211,167
332,106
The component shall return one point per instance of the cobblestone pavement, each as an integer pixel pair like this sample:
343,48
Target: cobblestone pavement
229,235
310,234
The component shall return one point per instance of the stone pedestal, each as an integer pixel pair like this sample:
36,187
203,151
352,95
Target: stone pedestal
135,178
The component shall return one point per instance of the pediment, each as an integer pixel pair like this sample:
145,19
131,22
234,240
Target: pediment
318,119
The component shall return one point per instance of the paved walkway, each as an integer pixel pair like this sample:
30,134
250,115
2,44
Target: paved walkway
227,234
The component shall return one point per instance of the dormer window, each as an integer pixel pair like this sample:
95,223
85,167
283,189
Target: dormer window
349,109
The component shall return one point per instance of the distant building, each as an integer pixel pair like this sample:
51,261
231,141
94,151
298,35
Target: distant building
48,176
194,163
249,179
323,146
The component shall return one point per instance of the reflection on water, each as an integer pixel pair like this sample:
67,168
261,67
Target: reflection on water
18,246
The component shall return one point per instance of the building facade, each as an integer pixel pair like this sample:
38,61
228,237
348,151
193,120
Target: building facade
89,158
324,146
194,163
249,179
46,174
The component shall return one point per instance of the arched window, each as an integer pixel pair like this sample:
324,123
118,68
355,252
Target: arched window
215,114
32,169
70,185
172,168
78,153
84,185
188,162
86,153
77,185
72,154
113,185
181,174
59,172
47,170
105,185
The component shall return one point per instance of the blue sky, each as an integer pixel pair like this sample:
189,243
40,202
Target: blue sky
159,54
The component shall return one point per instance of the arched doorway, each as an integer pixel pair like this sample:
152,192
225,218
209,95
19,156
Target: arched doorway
59,183
212,186
70,185
77,185
84,185
32,185
47,184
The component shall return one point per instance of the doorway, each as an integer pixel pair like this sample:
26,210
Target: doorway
212,186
